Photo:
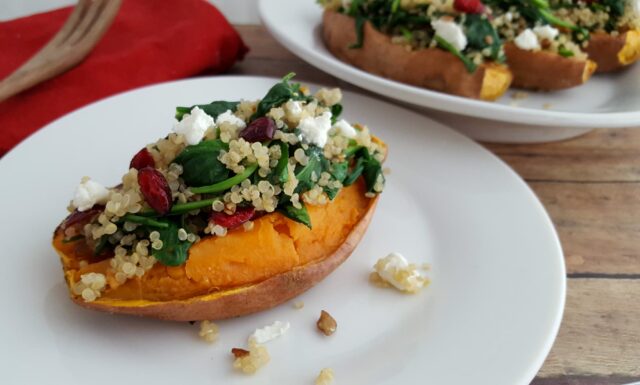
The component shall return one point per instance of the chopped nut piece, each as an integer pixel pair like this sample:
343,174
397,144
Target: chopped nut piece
326,323
298,305
208,331
239,353
250,363
325,377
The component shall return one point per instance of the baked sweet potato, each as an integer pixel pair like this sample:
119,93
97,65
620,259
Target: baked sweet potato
546,71
614,53
432,68
241,273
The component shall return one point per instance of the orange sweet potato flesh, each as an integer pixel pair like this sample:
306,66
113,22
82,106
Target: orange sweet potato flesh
241,273
431,68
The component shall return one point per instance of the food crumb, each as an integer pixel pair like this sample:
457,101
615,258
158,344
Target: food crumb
386,171
547,106
208,331
394,270
249,361
519,95
326,323
298,305
325,377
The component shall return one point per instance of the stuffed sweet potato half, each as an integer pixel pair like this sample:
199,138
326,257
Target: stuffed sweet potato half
441,46
614,43
243,206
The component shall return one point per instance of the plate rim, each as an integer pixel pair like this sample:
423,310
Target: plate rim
558,312
433,99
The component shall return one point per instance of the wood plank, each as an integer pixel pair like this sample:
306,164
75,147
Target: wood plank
597,223
586,380
600,333
600,156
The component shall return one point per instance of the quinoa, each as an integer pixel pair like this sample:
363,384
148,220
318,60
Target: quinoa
208,331
325,377
249,363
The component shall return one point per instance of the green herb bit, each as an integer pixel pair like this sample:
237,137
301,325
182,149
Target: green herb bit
212,109
228,183
360,22
300,215
145,221
468,63
281,172
565,52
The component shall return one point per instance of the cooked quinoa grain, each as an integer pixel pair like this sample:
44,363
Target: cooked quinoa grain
250,363
208,331
325,377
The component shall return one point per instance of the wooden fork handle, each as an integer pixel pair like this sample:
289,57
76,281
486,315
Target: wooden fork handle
80,33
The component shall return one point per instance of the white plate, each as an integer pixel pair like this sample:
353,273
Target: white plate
489,318
606,101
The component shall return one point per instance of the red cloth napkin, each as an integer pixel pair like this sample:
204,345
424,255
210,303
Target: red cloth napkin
150,41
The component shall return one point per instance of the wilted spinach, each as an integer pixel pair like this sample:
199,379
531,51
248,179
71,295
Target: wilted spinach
174,252
200,163
212,109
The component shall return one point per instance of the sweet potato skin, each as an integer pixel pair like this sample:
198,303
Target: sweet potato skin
430,68
614,53
546,71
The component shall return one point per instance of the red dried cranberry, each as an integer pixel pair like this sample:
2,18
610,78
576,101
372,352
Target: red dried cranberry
142,159
155,189
468,6
242,215
259,130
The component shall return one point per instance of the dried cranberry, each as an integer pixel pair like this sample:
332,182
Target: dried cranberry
81,218
468,6
259,130
142,159
155,189
241,215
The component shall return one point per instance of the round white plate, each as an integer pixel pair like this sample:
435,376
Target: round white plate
489,317
606,101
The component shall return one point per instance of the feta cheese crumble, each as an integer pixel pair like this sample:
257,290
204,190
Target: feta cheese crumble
193,125
316,130
451,32
88,193
527,40
229,117
345,128
269,332
546,32
396,270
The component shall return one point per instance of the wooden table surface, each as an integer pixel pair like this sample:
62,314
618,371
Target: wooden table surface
590,186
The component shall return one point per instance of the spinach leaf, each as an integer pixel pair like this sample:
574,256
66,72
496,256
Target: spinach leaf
355,173
481,34
281,172
372,170
338,172
314,165
468,63
200,163
212,109
336,111
360,22
278,95
101,245
174,252
300,215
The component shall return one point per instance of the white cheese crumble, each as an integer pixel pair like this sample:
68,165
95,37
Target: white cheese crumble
294,108
451,32
546,32
229,117
193,125
316,130
635,5
508,16
395,270
269,332
527,40
88,193
345,128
